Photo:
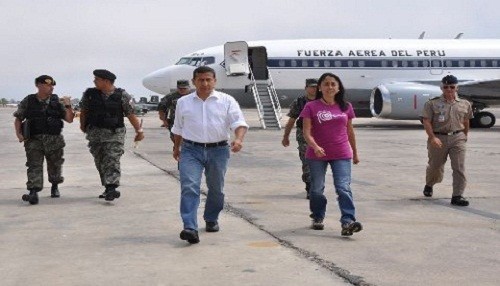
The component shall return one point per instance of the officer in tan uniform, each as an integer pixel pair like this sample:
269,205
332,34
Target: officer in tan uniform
446,121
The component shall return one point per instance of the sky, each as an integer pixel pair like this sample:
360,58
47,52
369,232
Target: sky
68,39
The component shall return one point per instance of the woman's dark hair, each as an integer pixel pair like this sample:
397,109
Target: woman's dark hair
339,97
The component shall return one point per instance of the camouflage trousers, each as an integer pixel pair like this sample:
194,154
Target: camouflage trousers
107,147
38,148
306,173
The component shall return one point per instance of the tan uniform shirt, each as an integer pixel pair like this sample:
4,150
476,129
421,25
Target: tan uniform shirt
447,116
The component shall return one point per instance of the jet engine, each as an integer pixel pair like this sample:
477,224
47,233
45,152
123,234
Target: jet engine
401,100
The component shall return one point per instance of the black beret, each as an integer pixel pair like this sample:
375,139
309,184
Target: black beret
182,83
311,82
45,79
105,74
449,79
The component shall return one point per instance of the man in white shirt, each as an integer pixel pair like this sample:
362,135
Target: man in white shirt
203,120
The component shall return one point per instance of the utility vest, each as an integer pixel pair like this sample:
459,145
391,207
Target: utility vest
45,119
104,113
301,102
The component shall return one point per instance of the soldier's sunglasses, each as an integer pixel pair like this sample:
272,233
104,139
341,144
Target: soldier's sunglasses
449,86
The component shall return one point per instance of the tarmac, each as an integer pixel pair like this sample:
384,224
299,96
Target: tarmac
265,236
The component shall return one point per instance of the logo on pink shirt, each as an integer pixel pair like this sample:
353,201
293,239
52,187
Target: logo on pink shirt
326,115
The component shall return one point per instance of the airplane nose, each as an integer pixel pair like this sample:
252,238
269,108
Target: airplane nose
157,81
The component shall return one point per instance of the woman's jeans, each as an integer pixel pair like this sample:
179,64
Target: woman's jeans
194,159
341,170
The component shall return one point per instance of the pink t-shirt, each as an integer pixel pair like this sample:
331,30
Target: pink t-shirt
329,129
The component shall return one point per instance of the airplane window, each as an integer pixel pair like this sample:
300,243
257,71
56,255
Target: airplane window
425,64
294,63
384,63
472,63
304,63
404,64
415,63
394,64
316,64
338,64
361,64
208,60
436,63
494,63
461,63
281,63
483,63
448,63
350,64
183,61
326,63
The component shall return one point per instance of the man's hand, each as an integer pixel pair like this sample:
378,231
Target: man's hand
286,141
236,145
139,136
436,142
20,137
66,100
176,153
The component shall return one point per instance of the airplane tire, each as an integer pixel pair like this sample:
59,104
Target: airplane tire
483,119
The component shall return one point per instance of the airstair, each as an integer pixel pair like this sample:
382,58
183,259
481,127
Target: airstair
266,100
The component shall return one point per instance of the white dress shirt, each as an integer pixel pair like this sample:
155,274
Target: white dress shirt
207,121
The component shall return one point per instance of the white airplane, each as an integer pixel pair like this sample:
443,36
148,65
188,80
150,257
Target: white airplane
385,78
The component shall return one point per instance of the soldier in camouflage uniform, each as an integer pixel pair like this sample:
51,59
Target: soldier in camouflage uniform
102,111
295,110
171,103
43,114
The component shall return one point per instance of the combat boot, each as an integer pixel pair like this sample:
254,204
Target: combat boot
111,193
54,191
32,197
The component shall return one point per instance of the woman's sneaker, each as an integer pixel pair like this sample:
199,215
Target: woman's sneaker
349,228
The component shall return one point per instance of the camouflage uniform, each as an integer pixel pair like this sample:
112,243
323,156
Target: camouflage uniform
107,145
295,110
170,105
40,146
162,106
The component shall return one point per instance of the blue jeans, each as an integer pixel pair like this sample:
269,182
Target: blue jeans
194,159
341,170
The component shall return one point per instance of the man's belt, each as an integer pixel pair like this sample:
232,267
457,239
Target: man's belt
206,145
448,133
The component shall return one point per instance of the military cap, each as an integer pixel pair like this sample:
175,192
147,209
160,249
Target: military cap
45,79
311,82
449,79
105,74
182,83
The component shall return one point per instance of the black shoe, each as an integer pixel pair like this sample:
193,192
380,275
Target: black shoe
32,197
212,226
54,191
190,235
427,191
459,201
349,228
110,193
317,224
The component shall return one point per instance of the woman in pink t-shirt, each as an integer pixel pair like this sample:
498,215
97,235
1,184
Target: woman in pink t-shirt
330,137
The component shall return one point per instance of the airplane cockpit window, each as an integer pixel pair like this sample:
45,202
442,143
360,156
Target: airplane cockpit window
196,61
208,60
183,61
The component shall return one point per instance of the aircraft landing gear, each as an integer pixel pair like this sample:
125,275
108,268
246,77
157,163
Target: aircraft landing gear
483,119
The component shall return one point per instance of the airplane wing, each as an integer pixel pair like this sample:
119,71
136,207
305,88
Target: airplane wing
487,91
